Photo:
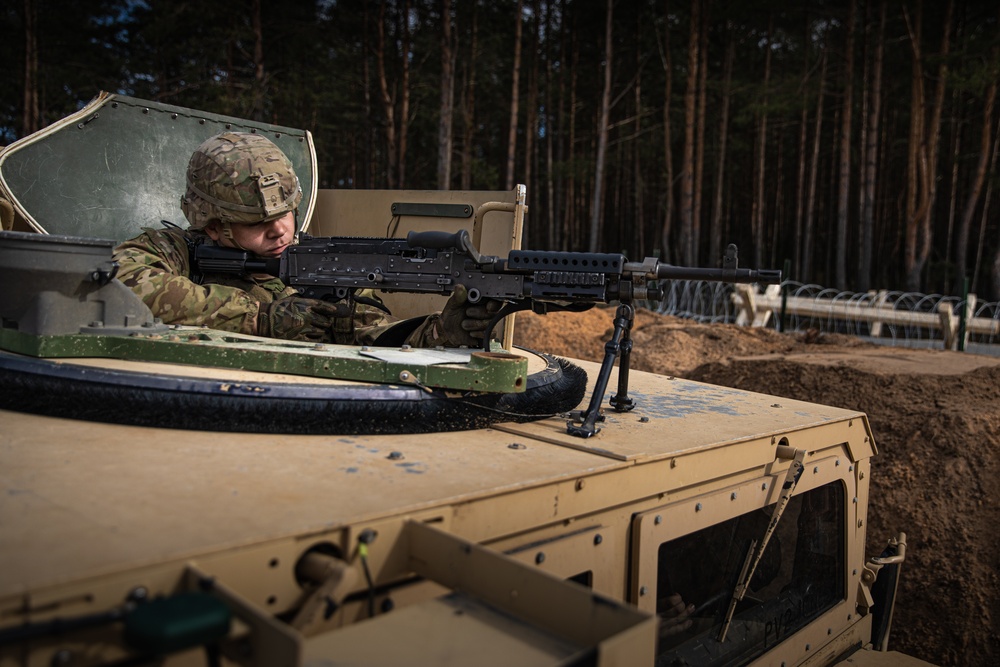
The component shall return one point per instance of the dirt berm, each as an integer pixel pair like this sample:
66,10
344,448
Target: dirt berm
936,419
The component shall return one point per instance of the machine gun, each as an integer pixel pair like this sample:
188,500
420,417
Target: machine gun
334,268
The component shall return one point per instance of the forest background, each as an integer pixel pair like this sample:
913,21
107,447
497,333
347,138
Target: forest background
855,139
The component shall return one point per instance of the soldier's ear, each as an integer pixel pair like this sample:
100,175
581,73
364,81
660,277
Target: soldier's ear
214,230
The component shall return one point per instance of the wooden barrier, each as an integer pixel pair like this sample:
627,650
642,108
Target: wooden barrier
756,309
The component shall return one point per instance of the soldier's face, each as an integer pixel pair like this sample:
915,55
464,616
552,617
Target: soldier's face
266,239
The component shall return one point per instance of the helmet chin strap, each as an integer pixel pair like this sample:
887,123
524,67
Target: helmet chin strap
227,231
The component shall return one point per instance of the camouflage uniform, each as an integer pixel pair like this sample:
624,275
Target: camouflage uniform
156,266
239,178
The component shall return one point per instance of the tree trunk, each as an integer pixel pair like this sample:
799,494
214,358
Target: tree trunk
550,192
807,235
469,102
777,218
995,273
888,218
715,237
985,217
514,100
570,216
31,119
934,133
388,103
257,110
699,161
871,136
637,180
668,154
975,189
844,182
800,189
404,97
371,133
596,207
914,204
829,217
757,208
863,115
956,146
445,125
531,108
561,210
690,112
924,141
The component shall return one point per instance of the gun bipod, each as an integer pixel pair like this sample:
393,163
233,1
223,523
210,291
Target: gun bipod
584,424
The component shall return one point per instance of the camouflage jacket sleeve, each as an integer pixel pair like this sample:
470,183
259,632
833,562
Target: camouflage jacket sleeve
156,266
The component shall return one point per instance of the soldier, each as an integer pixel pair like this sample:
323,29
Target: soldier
243,193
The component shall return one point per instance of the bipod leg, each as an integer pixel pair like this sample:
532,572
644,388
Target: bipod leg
620,401
584,424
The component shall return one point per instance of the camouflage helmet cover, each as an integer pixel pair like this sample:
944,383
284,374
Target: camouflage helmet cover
237,177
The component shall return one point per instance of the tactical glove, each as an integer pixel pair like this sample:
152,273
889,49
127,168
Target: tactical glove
298,318
461,323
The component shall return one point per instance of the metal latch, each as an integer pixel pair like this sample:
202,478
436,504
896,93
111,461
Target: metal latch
871,569
877,589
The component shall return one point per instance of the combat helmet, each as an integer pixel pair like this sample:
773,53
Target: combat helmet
241,178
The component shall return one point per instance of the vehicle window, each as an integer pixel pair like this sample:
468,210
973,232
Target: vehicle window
800,575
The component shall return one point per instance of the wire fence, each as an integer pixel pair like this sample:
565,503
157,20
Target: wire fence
851,313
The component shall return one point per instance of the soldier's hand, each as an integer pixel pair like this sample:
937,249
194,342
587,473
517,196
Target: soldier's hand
465,323
299,318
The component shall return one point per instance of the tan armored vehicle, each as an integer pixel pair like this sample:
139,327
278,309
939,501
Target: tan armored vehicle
174,495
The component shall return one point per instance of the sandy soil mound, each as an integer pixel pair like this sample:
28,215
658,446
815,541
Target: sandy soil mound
936,420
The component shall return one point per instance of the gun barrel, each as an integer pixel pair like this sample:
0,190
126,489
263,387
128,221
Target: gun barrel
766,276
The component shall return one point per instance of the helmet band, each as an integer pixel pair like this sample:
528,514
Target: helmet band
272,196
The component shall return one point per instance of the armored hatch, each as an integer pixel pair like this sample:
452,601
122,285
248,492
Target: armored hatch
118,165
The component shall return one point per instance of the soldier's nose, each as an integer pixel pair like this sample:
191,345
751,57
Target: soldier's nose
281,226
